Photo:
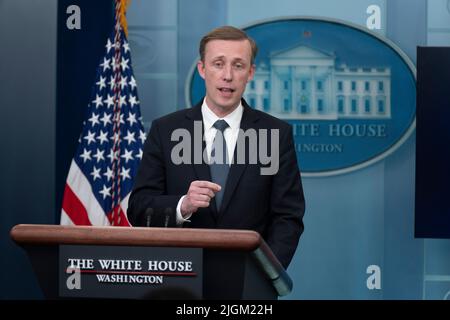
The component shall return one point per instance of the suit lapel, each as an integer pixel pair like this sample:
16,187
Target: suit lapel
236,170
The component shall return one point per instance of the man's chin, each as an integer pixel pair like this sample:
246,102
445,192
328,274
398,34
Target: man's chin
229,106
224,105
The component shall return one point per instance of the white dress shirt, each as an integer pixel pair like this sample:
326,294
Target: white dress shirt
230,134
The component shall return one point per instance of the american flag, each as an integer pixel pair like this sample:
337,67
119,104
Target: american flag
110,147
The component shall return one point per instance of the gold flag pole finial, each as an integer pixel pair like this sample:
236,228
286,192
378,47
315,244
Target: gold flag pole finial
122,15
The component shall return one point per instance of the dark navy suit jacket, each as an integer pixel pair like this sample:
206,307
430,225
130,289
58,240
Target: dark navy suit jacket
272,205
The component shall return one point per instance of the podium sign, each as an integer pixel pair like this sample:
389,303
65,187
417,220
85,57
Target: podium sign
126,272
152,263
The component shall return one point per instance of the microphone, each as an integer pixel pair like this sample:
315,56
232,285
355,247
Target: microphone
167,212
148,215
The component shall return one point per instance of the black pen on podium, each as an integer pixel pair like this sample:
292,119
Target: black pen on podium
148,214
167,213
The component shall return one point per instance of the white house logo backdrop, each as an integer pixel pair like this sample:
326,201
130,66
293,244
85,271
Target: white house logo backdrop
348,93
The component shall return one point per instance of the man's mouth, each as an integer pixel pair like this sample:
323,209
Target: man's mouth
226,90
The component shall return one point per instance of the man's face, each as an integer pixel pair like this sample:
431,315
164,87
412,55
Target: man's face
227,69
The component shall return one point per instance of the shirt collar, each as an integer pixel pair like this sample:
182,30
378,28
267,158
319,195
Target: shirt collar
233,119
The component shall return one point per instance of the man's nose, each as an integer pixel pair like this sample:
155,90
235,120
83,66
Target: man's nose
227,73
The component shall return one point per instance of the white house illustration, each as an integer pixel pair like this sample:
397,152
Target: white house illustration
305,83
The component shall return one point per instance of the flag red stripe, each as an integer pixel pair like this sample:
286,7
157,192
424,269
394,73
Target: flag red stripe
74,208
123,221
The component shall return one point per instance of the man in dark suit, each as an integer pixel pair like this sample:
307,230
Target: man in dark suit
210,179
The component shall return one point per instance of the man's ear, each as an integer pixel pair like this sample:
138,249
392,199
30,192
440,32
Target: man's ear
251,72
201,68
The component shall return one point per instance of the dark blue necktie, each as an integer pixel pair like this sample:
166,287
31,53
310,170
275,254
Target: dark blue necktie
219,162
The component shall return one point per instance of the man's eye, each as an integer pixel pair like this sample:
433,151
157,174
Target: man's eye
238,66
218,64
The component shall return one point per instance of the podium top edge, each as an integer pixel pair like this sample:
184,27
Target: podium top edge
34,234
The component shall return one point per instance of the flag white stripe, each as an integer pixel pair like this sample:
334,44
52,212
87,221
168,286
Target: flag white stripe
65,219
83,189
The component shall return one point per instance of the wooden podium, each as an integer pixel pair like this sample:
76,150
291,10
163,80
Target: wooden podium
152,263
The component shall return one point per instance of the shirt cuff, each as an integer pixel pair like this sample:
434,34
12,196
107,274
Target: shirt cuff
180,219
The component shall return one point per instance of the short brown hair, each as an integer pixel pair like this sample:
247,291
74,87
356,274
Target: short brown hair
227,33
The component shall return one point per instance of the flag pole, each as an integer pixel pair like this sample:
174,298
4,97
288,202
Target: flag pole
120,23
